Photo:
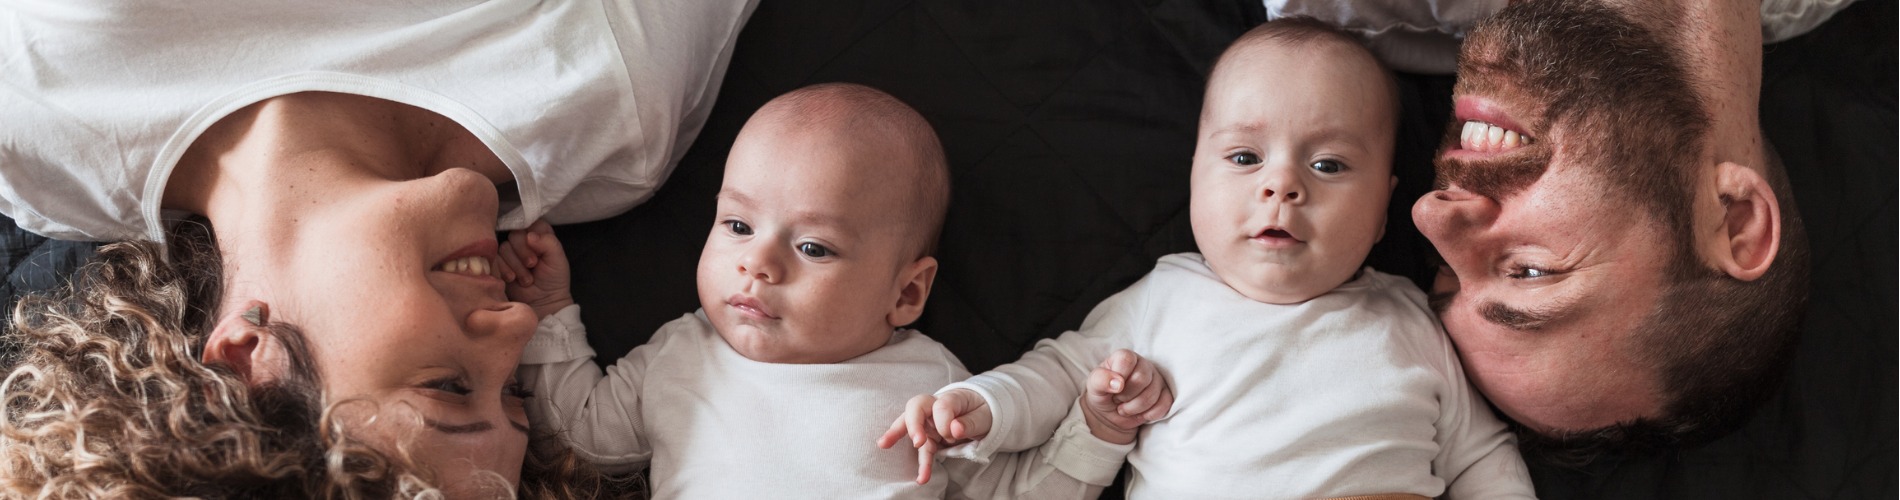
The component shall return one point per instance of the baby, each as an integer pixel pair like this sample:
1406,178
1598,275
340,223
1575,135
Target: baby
1297,373
780,384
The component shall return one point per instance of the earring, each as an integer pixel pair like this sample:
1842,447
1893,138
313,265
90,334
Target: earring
255,315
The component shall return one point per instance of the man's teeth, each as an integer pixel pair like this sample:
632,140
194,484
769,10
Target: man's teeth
472,266
1485,137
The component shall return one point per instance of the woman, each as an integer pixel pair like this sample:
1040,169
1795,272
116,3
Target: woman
333,331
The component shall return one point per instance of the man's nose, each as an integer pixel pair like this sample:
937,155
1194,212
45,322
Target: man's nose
1454,216
761,262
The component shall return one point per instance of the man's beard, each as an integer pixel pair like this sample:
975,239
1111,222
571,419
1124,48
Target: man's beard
1616,93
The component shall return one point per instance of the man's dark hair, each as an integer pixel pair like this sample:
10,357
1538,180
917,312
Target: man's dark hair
1717,345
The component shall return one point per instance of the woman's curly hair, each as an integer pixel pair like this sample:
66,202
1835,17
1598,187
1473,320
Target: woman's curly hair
105,397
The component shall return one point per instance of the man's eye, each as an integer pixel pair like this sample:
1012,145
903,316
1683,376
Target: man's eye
1328,166
814,250
1243,158
738,228
1527,272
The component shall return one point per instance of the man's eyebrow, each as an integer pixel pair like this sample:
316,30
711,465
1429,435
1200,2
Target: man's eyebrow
1525,319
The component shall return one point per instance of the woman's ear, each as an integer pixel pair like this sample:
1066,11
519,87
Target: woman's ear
913,291
241,342
1751,223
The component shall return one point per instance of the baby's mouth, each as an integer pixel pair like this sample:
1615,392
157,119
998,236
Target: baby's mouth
1276,236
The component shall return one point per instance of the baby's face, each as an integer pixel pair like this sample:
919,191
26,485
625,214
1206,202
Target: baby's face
1293,169
807,244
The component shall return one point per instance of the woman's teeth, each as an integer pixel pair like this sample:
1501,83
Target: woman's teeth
472,266
1485,137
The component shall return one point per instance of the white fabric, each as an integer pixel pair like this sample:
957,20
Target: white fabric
1355,392
1784,19
589,103
1423,36
715,424
1412,36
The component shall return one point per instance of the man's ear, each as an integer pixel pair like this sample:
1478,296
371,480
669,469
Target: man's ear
241,342
1751,223
913,290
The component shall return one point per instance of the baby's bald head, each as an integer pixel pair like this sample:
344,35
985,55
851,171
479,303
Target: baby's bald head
888,141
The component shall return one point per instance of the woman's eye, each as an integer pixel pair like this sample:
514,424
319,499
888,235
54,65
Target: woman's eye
515,389
739,228
1328,166
814,250
449,385
1244,158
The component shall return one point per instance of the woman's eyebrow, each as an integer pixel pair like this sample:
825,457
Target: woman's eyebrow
470,428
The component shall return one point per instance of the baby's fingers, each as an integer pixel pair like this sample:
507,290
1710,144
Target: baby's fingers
518,240
517,273
1161,406
893,434
1103,385
926,455
1123,362
1141,401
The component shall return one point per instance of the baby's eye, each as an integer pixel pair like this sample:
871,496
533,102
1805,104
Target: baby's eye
1244,158
814,250
1328,166
739,228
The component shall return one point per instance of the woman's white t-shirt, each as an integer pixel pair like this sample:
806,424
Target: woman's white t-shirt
588,103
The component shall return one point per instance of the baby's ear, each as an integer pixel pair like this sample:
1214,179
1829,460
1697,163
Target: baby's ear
241,342
913,289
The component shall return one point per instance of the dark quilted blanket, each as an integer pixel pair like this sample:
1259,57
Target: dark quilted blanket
1069,124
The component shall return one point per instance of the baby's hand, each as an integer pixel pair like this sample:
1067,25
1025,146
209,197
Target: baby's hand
535,268
934,423
1125,392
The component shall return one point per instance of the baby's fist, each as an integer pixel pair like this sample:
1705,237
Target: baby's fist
1124,393
535,267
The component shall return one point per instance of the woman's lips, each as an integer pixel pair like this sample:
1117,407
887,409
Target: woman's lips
749,306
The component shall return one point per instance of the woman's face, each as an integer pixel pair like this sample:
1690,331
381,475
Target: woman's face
433,350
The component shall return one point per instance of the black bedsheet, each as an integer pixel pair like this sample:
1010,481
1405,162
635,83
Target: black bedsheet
1069,126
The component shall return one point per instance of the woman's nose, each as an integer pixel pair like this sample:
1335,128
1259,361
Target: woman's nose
506,325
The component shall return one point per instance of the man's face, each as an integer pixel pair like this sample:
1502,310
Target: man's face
802,264
1548,223
1293,168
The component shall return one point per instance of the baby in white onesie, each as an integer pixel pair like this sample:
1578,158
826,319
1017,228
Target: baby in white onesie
1297,372
779,386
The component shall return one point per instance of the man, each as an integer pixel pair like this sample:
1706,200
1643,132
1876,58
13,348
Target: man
1625,265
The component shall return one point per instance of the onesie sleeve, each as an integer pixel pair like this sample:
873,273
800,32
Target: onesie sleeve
597,414
1028,399
1072,464
1477,454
